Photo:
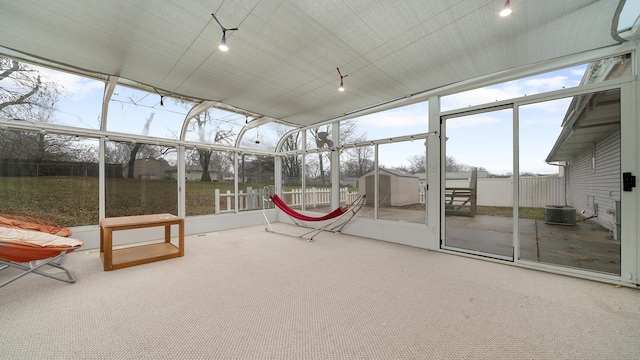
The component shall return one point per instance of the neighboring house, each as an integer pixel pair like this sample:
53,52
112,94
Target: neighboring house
396,187
191,172
148,169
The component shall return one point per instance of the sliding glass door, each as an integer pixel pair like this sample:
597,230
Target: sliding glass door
569,182
477,165
570,207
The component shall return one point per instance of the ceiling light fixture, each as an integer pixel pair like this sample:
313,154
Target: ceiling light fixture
223,44
161,97
341,88
506,10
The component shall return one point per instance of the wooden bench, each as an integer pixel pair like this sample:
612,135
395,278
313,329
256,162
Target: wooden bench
141,254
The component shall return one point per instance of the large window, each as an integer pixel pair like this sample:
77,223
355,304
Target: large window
401,181
209,181
554,80
570,212
255,172
47,176
140,179
215,126
264,137
355,164
40,95
50,177
138,112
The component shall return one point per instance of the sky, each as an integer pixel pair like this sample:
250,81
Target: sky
486,140
483,140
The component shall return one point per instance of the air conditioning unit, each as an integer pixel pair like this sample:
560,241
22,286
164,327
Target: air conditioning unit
560,215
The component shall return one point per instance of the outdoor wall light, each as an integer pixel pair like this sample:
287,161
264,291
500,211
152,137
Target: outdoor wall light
506,10
223,44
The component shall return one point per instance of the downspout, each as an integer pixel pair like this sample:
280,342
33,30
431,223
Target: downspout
566,177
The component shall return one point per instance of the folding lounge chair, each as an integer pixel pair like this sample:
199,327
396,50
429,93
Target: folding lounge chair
18,247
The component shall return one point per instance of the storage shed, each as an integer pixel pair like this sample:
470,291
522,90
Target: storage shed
396,187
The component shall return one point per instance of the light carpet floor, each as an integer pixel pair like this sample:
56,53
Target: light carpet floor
248,294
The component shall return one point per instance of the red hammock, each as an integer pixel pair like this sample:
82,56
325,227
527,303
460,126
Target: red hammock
289,211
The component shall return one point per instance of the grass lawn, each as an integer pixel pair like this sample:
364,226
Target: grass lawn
73,201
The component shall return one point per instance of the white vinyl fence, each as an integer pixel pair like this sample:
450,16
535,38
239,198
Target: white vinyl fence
534,192
249,200
317,197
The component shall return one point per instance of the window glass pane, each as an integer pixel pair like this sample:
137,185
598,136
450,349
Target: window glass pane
140,179
42,95
254,173
264,137
142,113
292,170
50,177
607,69
597,71
570,210
355,163
318,181
407,120
292,180
209,181
628,21
401,181
555,80
215,126
478,188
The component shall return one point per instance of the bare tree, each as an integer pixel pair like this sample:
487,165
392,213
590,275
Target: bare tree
359,162
207,157
24,94
417,164
291,165
136,147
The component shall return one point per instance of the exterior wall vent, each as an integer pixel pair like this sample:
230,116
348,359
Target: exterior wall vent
560,215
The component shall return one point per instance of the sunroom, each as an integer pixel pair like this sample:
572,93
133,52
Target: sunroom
125,108
89,133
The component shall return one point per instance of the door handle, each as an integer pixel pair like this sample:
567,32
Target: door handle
628,181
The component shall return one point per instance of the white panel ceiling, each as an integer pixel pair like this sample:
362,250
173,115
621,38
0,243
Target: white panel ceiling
282,62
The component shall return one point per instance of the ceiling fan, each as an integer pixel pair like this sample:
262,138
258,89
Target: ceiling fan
322,140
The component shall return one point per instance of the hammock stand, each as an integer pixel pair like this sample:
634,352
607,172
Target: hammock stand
340,216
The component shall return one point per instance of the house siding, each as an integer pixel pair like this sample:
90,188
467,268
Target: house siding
601,186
